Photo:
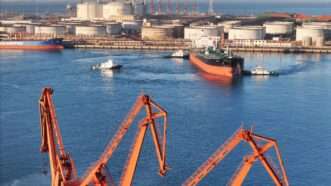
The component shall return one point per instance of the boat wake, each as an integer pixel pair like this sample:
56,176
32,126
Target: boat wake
296,68
34,179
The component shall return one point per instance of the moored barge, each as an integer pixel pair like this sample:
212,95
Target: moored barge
48,45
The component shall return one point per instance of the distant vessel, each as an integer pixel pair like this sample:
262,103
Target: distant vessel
178,54
50,44
261,71
216,62
109,65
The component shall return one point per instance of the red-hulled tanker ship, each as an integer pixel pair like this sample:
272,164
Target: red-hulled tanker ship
218,63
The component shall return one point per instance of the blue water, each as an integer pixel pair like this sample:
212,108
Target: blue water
293,108
243,8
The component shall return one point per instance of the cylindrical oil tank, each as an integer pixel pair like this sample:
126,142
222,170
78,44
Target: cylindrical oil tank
131,27
157,32
247,32
196,32
30,28
96,30
319,41
178,30
326,26
89,10
229,24
169,21
116,8
3,28
278,28
15,29
114,28
313,32
307,41
50,30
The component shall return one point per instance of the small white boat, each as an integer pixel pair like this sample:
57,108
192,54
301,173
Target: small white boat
259,70
109,65
178,54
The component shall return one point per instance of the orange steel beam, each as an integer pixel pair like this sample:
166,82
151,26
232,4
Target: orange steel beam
258,154
128,173
62,167
63,171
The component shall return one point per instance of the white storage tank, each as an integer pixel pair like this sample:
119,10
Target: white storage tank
320,41
307,41
3,28
229,24
157,32
247,32
278,28
114,28
15,29
50,30
196,32
89,10
326,26
30,28
95,30
313,32
116,8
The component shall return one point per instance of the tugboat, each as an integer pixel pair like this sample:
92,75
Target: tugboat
261,71
109,65
218,62
178,54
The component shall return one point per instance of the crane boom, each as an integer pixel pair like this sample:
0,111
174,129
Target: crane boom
63,170
258,154
148,121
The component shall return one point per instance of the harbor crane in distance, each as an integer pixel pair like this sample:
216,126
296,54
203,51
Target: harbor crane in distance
259,144
62,168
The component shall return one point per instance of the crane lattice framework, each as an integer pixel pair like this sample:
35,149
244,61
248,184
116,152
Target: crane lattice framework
63,171
260,146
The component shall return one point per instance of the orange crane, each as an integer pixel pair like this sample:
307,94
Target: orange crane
63,170
259,144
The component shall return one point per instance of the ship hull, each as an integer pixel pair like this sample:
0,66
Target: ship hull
225,71
47,45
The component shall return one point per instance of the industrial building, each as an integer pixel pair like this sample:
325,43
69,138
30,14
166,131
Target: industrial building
13,29
131,27
247,32
114,28
279,28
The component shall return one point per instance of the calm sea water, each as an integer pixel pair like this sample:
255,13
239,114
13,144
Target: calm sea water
293,108
244,8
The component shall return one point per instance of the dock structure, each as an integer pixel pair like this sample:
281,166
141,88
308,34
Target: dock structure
326,49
